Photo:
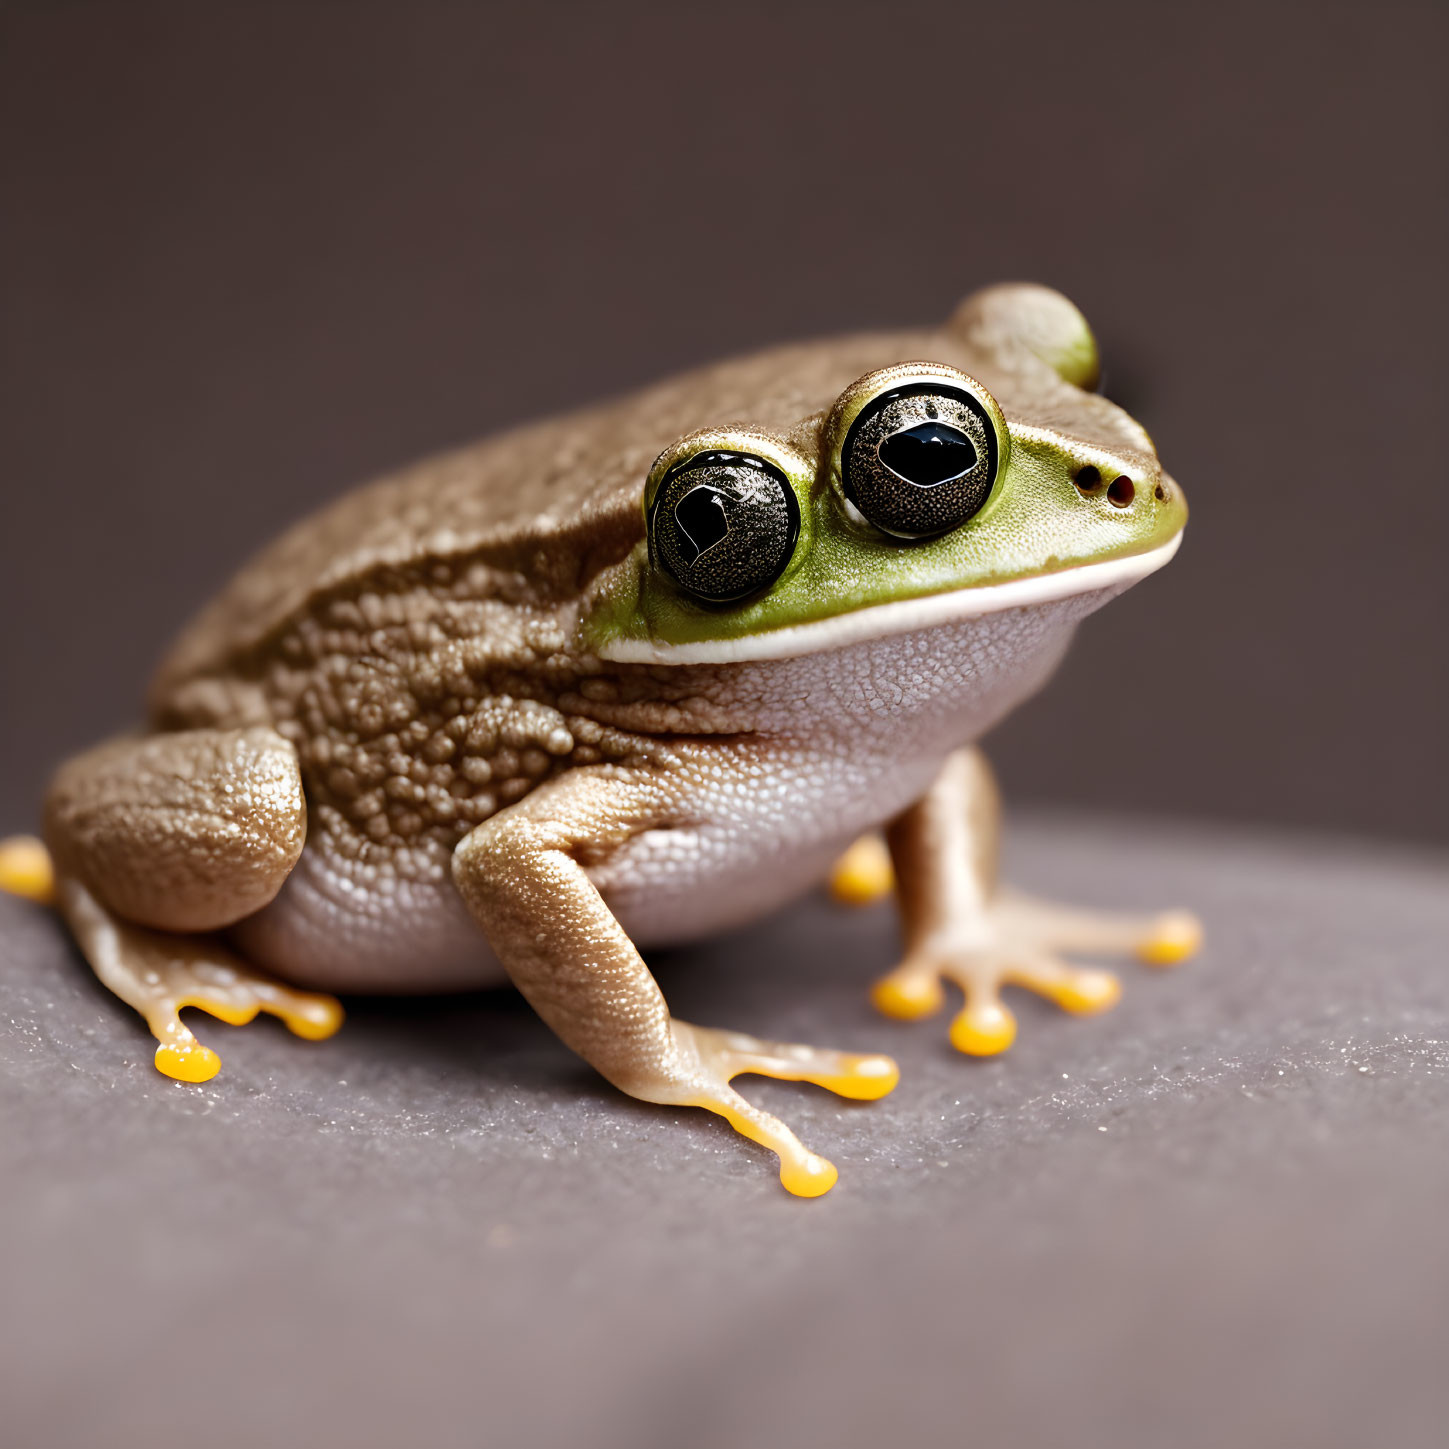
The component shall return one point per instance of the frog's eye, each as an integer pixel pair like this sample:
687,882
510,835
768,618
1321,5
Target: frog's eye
723,525
920,459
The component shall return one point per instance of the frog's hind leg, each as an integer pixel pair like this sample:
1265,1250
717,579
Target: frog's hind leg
188,831
159,973
959,927
159,842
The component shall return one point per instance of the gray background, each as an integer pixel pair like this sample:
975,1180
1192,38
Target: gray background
254,254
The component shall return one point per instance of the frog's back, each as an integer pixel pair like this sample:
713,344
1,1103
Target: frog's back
542,509
547,505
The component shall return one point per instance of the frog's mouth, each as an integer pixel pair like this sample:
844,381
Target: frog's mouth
901,616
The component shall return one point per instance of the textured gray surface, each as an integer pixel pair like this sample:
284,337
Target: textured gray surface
1214,1216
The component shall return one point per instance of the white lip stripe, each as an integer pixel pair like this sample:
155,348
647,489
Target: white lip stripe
902,616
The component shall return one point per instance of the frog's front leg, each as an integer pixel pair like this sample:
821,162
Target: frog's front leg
161,839
960,927
524,875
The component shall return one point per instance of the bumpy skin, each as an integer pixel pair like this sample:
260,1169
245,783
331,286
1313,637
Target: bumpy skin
502,716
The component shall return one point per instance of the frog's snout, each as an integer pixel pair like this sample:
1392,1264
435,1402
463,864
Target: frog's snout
1138,488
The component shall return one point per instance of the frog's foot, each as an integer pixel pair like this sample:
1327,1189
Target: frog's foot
1018,945
158,974
709,1060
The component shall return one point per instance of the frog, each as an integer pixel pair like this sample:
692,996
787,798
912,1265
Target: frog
628,678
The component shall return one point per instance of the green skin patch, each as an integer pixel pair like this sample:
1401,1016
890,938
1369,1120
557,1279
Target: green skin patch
1036,522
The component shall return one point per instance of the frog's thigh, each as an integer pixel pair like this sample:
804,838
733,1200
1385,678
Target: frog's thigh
523,875
186,833
960,927
181,832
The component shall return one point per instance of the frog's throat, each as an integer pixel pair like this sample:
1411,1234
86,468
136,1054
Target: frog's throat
902,616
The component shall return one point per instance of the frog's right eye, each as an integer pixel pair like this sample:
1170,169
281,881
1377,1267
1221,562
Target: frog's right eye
723,525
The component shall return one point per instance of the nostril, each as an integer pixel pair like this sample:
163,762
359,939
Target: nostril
1121,491
1159,493
1087,479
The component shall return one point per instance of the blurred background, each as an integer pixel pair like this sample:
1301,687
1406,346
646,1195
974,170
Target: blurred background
255,254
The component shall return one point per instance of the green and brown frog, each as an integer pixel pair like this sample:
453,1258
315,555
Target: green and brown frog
630,677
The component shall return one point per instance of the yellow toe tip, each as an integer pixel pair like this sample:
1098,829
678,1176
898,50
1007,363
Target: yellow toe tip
316,1020
863,875
866,1079
195,1063
1178,937
810,1176
907,998
983,1031
1088,992
26,869
233,1013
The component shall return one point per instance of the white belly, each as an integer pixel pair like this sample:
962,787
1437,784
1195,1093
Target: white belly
851,736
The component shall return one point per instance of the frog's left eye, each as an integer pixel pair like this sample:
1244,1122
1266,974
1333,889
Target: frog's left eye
723,525
920,459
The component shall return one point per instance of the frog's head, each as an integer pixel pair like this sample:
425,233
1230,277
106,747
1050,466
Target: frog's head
986,477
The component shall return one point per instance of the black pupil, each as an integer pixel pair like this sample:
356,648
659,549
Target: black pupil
723,525
702,519
928,454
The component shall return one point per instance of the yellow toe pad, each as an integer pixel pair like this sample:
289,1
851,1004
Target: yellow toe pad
1085,992
193,1063
863,1078
811,1176
313,1017
907,996
1178,936
26,869
983,1031
863,875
